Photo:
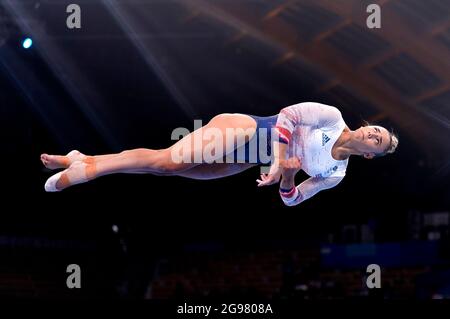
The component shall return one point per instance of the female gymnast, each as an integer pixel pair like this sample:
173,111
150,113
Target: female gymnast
309,136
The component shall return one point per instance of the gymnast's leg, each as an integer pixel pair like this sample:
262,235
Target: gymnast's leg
214,170
64,161
158,162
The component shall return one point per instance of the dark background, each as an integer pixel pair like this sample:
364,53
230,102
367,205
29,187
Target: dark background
138,69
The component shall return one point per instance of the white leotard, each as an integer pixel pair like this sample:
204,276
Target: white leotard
311,129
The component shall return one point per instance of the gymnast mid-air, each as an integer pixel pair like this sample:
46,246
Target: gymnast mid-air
308,136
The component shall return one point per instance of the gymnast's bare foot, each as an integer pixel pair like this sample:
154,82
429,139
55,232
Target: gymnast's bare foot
61,161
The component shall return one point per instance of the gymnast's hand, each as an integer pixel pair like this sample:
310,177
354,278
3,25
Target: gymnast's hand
292,164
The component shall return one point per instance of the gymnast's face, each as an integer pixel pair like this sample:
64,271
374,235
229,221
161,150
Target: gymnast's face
372,140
